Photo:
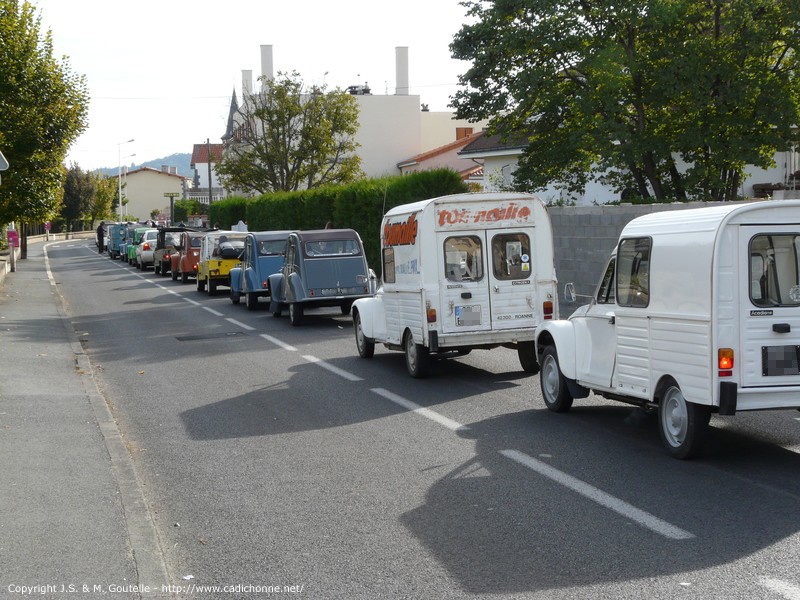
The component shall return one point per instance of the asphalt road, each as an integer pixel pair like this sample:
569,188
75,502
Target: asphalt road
275,459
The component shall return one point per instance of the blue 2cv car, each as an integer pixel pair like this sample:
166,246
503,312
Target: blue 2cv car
263,256
324,267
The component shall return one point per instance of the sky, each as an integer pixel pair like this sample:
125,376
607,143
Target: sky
162,72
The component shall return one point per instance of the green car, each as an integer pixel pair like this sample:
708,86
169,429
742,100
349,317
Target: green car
131,247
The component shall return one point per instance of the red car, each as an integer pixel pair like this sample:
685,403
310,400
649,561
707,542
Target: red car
184,263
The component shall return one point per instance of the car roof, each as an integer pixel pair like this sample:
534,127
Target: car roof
326,234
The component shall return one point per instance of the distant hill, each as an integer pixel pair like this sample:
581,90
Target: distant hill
181,161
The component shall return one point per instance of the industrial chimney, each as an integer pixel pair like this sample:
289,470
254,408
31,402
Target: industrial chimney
401,69
266,62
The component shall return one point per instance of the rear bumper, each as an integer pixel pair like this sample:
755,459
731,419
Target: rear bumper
758,398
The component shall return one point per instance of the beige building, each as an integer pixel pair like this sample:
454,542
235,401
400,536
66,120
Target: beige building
144,188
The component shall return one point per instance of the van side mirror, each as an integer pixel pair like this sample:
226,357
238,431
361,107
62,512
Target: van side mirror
569,292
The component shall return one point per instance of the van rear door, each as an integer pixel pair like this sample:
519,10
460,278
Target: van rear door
512,280
464,281
770,313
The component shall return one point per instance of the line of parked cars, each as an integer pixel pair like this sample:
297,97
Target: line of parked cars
294,270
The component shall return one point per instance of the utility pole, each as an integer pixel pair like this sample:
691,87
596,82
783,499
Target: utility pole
208,150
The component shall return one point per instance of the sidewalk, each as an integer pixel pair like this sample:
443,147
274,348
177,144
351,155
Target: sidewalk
71,513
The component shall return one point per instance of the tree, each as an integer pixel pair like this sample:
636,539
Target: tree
78,194
670,99
105,192
43,109
184,208
289,138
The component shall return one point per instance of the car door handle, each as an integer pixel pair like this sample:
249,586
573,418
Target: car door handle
781,327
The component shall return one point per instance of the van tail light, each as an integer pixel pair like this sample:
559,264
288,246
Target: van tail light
146,246
264,284
430,312
725,362
547,309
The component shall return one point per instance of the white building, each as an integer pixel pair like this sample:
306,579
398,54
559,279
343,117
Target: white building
392,128
499,160
204,163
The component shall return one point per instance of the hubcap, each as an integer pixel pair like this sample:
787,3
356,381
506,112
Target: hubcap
411,352
550,377
675,418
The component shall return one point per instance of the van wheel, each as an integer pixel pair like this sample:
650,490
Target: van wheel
212,287
174,275
527,357
156,268
554,385
184,278
417,357
366,346
251,301
683,425
295,314
201,284
345,308
277,312
235,296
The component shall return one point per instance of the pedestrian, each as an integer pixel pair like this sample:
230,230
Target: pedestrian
101,232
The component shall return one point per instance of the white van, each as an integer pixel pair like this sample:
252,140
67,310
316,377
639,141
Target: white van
461,272
698,311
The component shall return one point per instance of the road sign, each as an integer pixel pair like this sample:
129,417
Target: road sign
3,163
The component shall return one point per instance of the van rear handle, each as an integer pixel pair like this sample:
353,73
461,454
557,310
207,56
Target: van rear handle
781,327
466,295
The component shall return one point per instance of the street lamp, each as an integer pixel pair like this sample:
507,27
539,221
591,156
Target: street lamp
119,173
127,156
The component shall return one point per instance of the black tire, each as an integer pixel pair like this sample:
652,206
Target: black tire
235,296
526,351
184,278
417,357
212,287
683,425
365,346
553,383
200,283
251,301
296,314
174,275
345,308
277,312
156,268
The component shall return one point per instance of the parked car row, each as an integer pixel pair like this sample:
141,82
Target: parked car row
294,270
698,311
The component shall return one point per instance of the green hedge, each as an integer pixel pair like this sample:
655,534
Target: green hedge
360,206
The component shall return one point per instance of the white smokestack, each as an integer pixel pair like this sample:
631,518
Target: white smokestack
247,84
401,69
266,62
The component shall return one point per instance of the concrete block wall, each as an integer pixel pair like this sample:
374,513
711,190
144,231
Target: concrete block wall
584,236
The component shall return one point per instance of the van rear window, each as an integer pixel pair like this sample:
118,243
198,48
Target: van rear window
511,256
463,258
775,270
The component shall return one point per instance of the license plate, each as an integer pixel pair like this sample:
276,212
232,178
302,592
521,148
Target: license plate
780,361
468,315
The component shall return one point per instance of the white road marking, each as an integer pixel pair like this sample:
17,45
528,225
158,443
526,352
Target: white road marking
216,313
784,588
602,498
278,342
331,368
240,324
190,301
420,410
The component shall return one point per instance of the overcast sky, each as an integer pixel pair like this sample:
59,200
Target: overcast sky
162,72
